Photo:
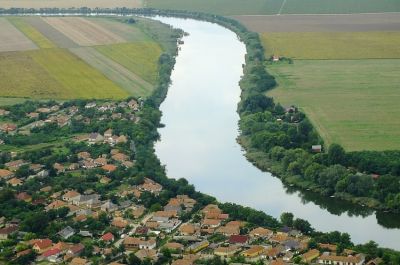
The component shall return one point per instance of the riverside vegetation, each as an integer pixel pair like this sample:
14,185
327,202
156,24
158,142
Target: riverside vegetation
276,138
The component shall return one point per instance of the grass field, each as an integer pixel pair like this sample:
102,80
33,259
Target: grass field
33,34
268,7
351,102
333,45
142,59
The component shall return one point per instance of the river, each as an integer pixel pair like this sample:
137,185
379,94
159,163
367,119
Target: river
199,141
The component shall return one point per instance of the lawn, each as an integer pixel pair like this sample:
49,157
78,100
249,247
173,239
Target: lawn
268,7
38,38
333,45
351,102
142,60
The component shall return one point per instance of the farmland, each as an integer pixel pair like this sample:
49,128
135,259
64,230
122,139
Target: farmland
333,45
69,3
142,58
344,76
33,34
73,57
351,102
269,7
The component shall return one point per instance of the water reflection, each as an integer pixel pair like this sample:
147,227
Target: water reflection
198,141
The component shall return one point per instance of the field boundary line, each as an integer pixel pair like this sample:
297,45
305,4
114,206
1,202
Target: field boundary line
280,9
311,14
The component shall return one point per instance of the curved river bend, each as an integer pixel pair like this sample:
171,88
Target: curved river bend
198,142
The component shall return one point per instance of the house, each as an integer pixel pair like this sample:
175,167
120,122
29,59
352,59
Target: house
131,242
75,250
7,231
8,127
55,205
150,186
6,174
174,246
84,155
164,216
229,230
238,239
23,196
52,255
100,161
120,157
108,133
376,261
275,58
59,168
341,260
253,252
109,207
187,229
42,245
16,164
119,222
226,252
105,180
87,200
90,105
213,223
310,255
260,232
95,138
108,237
67,232
109,168
69,196
316,148
278,262
15,182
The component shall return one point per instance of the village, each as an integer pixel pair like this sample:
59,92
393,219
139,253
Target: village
81,199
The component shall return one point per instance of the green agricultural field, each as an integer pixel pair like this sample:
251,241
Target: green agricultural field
139,57
221,7
333,45
52,73
33,34
269,7
351,102
339,6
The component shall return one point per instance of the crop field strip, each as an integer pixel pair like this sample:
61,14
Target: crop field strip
50,32
70,3
126,79
11,39
333,45
83,31
142,60
32,33
52,73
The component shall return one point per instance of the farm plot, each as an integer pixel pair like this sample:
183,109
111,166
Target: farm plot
50,32
52,73
322,23
33,34
221,7
129,32
351,102
140,58
129,81
333,45
83,31
70,3
79,80
11,39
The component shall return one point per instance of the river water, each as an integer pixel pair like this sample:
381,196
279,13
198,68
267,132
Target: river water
199,141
